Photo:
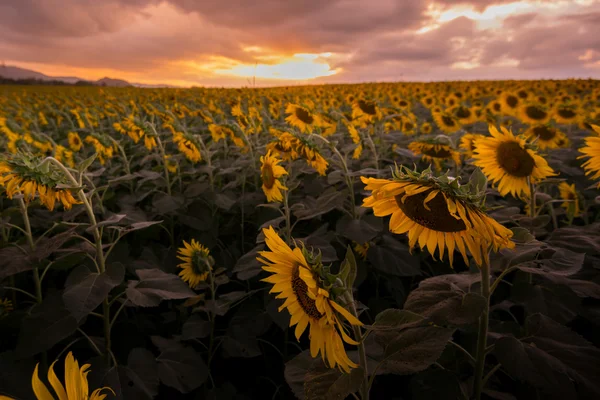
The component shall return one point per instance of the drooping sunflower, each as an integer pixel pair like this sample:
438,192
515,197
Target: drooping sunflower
271,173
433,151
467,143
23,174
548,137
571,196
437,213
76,383
297,278
301,117
591,150
75,142
187,147
197,263
507,162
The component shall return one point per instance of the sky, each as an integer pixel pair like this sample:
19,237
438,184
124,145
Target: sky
285,42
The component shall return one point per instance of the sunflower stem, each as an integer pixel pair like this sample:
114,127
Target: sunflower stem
483,330
364,391
36,273
288,225
99,249
531,200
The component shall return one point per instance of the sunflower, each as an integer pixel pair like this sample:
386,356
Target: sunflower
437,213
361,249
509,103
446,121
548,137
435,152
464,115
6,306
366,111
533,114
566,114
591,150
217,132
309,300
75,379
187,147
571,197
301,118
171,165
505,160
426,128
197,263
271,173
74,141
19,176
467,143
103,149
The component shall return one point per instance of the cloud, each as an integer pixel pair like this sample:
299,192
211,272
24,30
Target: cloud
193,42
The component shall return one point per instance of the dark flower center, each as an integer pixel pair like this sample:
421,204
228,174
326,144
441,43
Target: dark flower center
448,121
497,107
522,94
437,153
368,107
566,113
463,113
512,101
536,113
514,159
304,116
437,218
301,291
544,132
267,176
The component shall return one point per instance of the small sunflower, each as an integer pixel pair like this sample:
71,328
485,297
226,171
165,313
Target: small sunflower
298,279
446,121
467,143
197,263
426,128
566,114
432,151
437,213
6,306
510,103
188,147
464,115
301,118
591,150
366,111
75,142
533,114
571,196
361,249
76,383
271,173
548,137
505,160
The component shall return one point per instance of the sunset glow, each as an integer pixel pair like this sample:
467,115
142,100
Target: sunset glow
209,44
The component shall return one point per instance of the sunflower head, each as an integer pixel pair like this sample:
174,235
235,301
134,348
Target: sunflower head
75,142
6,306
508,161
301,117
312,296
271,173
197,263
571,198
436,150
28,175
438,213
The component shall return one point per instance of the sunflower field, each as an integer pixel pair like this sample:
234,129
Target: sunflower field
372,241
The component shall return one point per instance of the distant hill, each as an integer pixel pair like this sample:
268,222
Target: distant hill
10,72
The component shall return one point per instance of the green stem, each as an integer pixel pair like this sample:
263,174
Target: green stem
99,249
288,225
483,330
365,387
531,200
36,273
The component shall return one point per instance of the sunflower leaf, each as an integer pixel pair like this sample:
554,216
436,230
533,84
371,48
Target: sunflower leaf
348,269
